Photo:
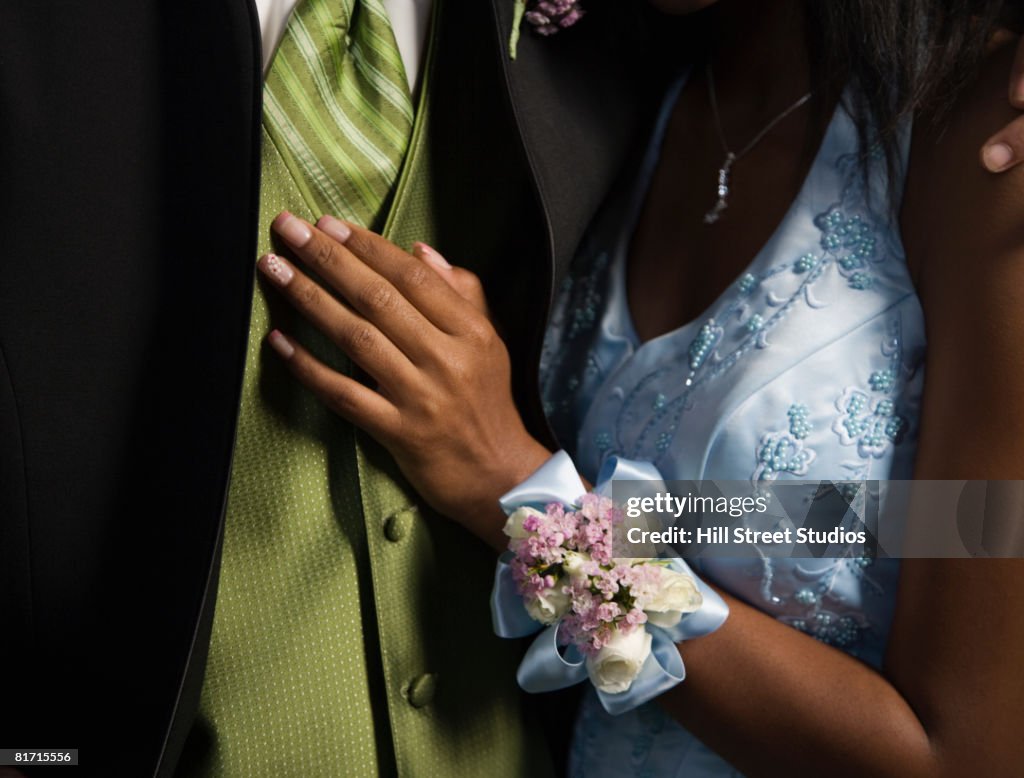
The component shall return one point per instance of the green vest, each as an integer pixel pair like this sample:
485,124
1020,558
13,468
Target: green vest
358,642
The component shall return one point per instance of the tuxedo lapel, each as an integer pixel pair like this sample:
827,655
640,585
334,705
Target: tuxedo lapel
211,58
577,107
128,150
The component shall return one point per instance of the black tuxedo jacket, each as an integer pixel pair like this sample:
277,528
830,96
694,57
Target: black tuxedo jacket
129,178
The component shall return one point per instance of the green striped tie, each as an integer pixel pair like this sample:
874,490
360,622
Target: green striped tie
338,75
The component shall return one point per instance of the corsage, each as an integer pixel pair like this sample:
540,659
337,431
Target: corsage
615,620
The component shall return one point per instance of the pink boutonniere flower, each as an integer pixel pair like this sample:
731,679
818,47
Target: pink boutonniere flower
545,16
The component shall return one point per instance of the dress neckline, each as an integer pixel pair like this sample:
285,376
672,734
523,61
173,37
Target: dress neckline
618,302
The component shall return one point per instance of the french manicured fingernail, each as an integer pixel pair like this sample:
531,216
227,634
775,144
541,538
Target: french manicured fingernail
280,344
424,252
336,228
292,229
997,156
276,270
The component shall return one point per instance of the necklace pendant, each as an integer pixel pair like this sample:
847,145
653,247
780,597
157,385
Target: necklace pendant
715,213
722,203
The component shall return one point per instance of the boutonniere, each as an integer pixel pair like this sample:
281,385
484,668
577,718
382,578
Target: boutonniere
545,16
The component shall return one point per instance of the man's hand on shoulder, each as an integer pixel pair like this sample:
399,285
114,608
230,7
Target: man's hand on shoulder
1005,149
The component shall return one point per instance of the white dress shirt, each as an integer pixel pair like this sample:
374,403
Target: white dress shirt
410,20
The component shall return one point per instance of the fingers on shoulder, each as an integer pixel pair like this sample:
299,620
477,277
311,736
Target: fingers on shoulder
948,191
984,121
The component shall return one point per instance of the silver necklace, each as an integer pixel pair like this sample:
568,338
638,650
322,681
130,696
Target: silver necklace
731,157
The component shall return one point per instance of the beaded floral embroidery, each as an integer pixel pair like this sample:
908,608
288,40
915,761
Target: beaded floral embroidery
815,609
783,451
850,241
780,452
867,416
824,618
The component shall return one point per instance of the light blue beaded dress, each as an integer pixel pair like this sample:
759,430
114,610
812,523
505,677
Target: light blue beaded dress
809,366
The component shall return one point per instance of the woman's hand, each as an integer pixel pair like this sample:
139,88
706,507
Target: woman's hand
443,404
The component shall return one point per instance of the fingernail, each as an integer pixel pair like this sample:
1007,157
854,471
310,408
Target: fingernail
423,251
276,270
280,344
292,229
997,156
336,228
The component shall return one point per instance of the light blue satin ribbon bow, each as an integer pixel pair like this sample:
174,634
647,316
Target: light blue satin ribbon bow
546,667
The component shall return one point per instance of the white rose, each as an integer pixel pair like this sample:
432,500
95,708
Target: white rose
514,524
676,594
614,668
548,606
573,563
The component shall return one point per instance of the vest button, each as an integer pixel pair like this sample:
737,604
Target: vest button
422,690
397,526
